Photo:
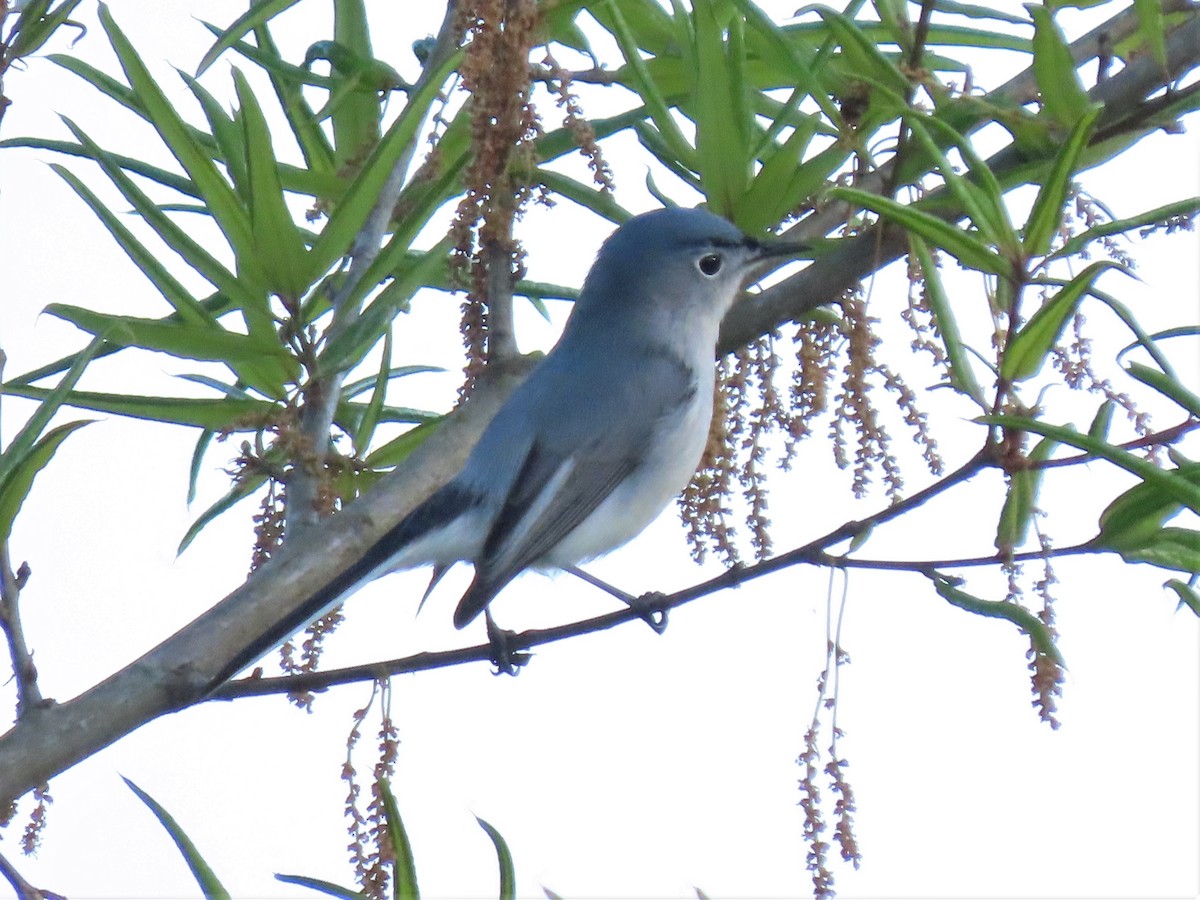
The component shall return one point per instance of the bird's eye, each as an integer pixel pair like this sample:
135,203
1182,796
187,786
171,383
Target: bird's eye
710,264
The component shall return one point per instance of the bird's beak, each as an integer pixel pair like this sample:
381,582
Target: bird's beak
782,249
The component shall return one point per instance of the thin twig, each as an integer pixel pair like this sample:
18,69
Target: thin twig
808,554
322,394
24,890
29,695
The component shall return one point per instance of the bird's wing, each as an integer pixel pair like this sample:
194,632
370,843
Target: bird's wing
550,497
574,461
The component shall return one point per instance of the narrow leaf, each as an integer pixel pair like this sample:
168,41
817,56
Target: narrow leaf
221,414
508,878
15,487
1024,485
965,246
962,376
258,14
322,887
1029,347
1039,635
52,399
1187,595
277,240
1063,95
404,870
1046,215
235,495
1179,489
1167,386
366,426
205,878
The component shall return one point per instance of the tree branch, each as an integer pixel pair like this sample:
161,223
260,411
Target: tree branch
812,553
24,890
321,394
852,260
24,671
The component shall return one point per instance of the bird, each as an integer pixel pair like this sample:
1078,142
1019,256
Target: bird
606,430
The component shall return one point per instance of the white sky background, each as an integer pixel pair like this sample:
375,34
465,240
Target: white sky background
620,764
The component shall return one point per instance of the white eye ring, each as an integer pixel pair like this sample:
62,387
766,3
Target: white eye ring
709,264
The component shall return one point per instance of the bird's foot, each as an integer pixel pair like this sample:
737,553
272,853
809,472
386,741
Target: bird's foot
648,606
506,660
650,609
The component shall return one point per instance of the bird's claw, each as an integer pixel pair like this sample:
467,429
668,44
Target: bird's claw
650,609
506,660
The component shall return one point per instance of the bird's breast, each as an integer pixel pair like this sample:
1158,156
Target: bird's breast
668,463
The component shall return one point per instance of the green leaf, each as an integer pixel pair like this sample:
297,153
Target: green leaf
862,54
1046,216
788,55
784,182
217,194
355,108
1103,419
1029,347
185,341
258,14
366,427
188,308
966,246
1168,548
1134,517
958,364
227,134
641,81
1178,489
35,26
277,240
1023,486
359,200
404,870
220,414
287,81
1166,385
266,366
347,348
1063,94
1038,633
323,887
205,878
26,439
14,488
127,163
1187,595
982,202
239,492
398,449
508,878
1176,209
722,132
202,445
220,198
586,195
1152,28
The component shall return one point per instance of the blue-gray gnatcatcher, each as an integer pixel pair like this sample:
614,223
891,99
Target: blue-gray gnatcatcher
604,432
